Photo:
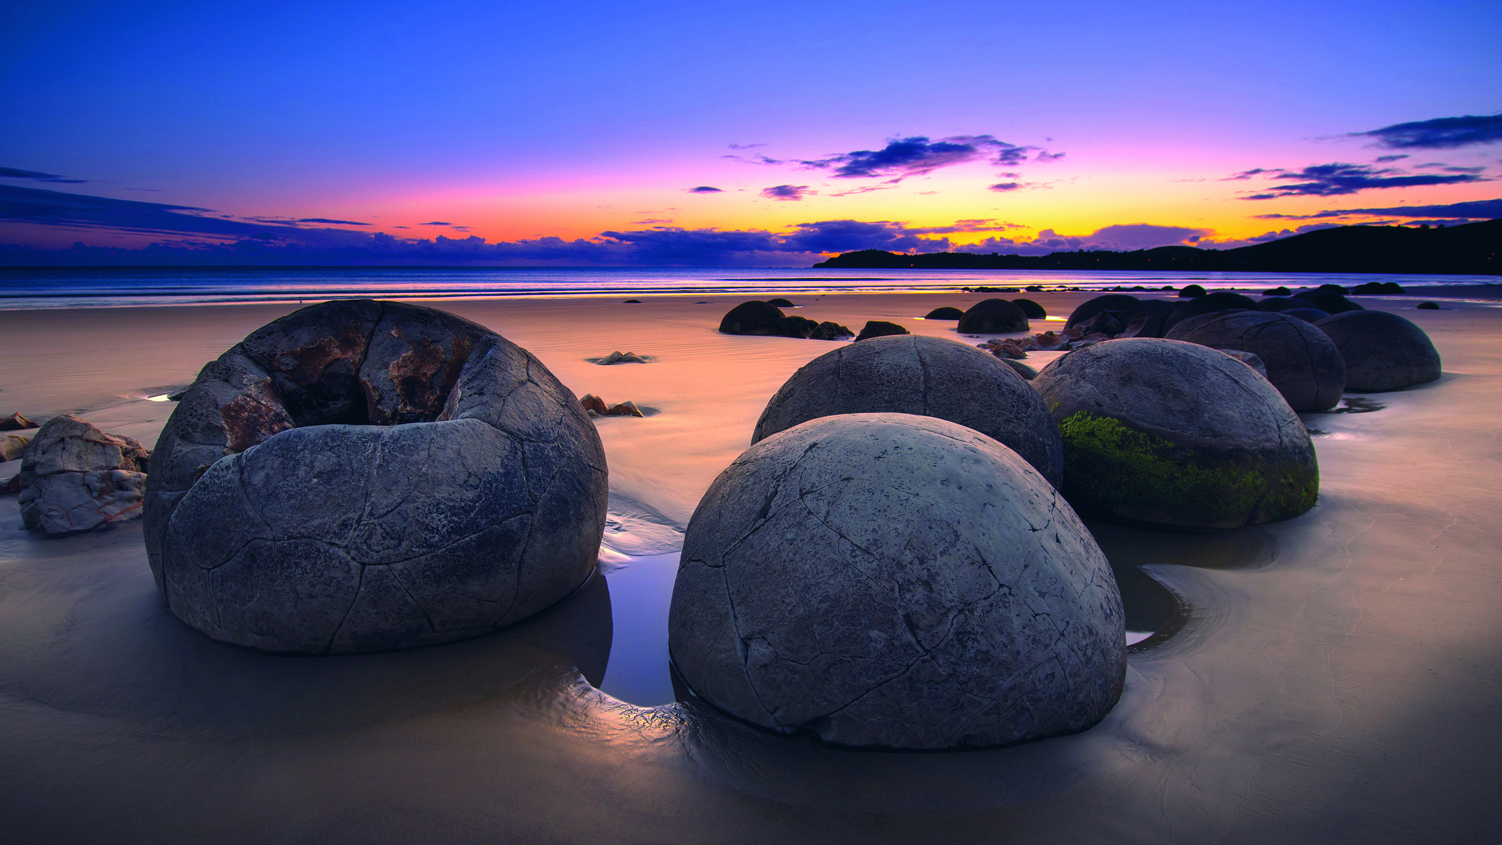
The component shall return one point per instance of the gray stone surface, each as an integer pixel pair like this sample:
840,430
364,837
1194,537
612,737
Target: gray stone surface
1301,362
1382,351
928,376
895,581
1177,435
482,505
75,478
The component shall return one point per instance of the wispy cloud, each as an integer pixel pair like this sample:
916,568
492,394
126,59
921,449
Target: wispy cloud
787,193
13,173
1441,133
1475,210
1338,178
706,189
435,223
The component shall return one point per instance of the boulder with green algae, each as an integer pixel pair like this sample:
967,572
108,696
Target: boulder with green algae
1177,435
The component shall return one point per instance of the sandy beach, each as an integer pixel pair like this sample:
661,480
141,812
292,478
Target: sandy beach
1333,678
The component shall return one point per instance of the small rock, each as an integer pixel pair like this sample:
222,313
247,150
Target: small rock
76,478
16,422
1049,341
632,302
12,446
945,312
622,358
624,409
593,404
880,328
1428,306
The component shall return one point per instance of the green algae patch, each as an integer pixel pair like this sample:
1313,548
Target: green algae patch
1115,470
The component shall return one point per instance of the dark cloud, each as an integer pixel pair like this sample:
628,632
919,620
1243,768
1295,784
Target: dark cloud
1475,209
1003,187
705,189
755,158
1326,180
1392,158
55,208
850,235
747,146
13,173
917,155
1046,157
435,223
789,193
327,221
1443,133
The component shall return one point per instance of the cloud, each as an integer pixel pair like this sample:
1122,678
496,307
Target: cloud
917,155
755,158
1002,187
1325,180
1442,133
788,193
651,221
1392,158
747,146
325,220
705,189
1475,209
13,173
435,223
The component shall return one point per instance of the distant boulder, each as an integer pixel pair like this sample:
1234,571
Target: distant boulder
781,303
1377,288
880,328
1120,302
828,330
1329,301
1191,291
1209,303
1300,361
1428,306
1280,290
945,312
1382,351
1033,310
753,317
993,316
1308,315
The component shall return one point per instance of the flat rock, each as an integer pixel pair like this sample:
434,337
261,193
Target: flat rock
1177,435
470,495
926,376
1382,351
881,580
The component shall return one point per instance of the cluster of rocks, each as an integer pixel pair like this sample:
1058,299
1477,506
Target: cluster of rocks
756,317
365,476
596,406
76,478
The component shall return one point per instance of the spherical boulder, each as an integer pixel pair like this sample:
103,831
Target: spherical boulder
753,317
880,328
886,580
1177,435
1122,303
1282,303
1382,351
1033,310
926,376
1308,315
1207,304
993,316
365,476
1302,363
944,312
1191,291
1328,298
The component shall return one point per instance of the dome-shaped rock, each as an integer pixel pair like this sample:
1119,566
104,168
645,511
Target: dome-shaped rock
881,580
753,317
1282,303
879,328
1308,315
365,476
1328,300
1382,351
993,316
1191,291
1173,434
1209,303
1125,304
1301,362
1033,310
926,376
944,312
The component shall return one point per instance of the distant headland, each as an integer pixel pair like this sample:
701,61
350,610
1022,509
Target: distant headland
1470,249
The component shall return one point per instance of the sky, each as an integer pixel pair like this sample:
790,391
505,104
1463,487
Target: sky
730,134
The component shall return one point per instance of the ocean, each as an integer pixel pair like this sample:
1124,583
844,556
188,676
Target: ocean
27,288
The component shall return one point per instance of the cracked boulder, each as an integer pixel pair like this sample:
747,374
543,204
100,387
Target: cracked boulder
1177,435
895,581
927,376
1300,361
1382,351
75,478
366,476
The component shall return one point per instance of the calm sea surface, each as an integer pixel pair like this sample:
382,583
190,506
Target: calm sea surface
122,287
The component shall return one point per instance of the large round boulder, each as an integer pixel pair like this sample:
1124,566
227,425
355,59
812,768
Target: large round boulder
1328,299
1177,435
753,317
881,580
926,376
1302,363
992,316
1382,351
364,476
1033,310
1121,303
1308,315
1207,304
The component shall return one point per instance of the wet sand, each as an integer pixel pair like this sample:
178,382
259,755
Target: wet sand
1336,678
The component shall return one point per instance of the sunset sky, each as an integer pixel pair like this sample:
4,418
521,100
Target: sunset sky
729,134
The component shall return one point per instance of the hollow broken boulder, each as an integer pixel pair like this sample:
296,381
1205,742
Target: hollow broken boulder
365,476
75,478
881,580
